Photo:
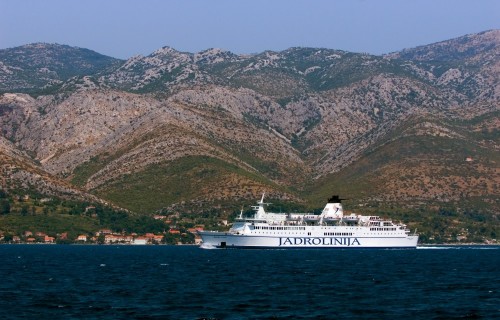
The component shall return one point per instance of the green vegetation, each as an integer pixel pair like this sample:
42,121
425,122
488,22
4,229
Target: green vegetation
87,169
397,178
441,176
55,217
160,185
50,223
424,181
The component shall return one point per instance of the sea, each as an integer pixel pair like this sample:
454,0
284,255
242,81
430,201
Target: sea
187,282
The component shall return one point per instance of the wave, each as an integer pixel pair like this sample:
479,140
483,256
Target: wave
207,246
460,247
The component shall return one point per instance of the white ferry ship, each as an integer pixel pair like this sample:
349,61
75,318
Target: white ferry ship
330,229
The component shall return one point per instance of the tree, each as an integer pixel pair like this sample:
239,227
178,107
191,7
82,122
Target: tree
4,206
24,210
101,239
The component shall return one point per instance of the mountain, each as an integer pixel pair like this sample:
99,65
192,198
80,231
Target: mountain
468,48
287,74
468,65
20,172
415,130
36,66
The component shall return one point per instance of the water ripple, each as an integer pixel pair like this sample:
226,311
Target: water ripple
163,282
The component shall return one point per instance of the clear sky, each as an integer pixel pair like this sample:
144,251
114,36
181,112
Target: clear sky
123,28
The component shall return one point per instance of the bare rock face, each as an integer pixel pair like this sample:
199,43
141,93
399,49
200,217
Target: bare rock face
19,172
466,67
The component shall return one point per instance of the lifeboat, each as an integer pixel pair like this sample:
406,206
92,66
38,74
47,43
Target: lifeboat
352,218
311,217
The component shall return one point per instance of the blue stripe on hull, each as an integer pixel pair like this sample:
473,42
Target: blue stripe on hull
292,248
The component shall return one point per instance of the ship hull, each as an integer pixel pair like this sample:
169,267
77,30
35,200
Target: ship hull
229,240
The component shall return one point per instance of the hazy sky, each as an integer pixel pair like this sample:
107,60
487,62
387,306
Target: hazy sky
122,28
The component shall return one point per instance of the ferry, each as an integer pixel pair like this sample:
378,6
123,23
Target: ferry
330,229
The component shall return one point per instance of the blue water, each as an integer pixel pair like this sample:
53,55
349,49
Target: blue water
183,282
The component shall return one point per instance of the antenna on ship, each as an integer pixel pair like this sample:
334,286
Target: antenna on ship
262,199
261,202
259,209
241,213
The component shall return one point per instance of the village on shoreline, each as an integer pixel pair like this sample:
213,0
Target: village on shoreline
106,236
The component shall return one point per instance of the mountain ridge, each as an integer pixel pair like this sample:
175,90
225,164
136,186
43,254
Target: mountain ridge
194,132
37,66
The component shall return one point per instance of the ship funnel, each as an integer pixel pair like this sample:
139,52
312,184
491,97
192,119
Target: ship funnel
335,199
333,208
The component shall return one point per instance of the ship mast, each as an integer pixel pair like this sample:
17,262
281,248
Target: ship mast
259,210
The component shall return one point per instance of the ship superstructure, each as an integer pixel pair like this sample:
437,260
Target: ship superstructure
330,229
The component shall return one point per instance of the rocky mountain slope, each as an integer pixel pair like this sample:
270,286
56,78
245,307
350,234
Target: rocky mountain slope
467,66
35,67
19,172
187,131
